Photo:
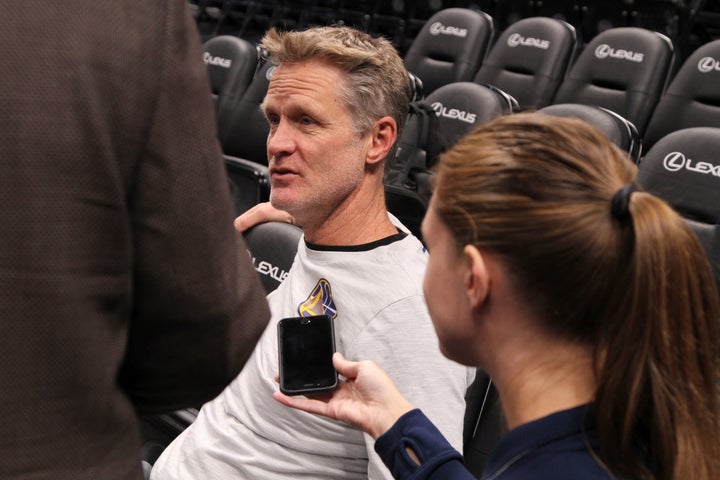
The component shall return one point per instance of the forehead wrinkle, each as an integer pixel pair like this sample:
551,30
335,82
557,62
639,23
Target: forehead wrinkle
296,93
312,79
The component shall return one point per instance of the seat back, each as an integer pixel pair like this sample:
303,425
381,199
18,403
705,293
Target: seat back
617,129
683,169
249,183
246,131
484,422
450,47
434,125
231,63
530,59
273,246
622,69
692,98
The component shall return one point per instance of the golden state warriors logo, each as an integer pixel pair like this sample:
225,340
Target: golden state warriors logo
320,301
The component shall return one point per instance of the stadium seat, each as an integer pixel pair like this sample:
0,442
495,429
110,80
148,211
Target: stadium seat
434,125
249,183
245,133
273,246
692,98
484,422
622,69
618,130
450,47
683,168
529,60
231,63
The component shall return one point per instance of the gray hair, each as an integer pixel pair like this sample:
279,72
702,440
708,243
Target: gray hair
377,83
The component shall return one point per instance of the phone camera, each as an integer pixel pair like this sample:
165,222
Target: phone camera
304,321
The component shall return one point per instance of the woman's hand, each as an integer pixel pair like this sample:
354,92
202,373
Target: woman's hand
367,398
261,213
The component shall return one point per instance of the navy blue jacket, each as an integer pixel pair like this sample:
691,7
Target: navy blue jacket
554,447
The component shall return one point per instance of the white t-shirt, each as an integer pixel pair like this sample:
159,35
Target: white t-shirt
375,293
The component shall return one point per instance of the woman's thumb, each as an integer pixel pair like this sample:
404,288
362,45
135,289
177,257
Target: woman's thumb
345,367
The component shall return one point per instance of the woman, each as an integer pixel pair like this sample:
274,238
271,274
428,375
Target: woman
589,302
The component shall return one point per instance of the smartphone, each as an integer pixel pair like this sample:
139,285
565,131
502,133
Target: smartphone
305,349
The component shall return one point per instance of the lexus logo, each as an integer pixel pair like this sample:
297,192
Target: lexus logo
516,39
674,161
604,51
438,28
219,61
708,64
453,113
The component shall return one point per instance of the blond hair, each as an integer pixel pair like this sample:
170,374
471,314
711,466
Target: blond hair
377,83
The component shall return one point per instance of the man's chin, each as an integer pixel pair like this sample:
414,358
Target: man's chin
282,202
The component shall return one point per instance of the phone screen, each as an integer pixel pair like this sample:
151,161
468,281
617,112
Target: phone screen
306,346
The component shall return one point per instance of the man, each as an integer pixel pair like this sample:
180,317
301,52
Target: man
124,288
335,106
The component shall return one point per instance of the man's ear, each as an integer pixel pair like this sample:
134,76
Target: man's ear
477,280
384,134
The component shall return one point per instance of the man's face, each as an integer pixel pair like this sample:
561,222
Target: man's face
316,157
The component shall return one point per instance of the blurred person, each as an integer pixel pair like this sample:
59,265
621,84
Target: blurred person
124,288
335,106
589,302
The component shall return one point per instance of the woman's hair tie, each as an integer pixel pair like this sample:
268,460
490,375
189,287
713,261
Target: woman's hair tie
620,203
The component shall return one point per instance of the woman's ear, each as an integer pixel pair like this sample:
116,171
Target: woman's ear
384,134
477,280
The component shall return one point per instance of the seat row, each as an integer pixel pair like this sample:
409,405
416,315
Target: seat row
623,69
400,20
617,82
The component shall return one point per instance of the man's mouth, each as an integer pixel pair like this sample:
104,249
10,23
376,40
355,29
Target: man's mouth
281,174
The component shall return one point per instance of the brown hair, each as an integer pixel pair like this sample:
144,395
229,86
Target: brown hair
536,190
377,81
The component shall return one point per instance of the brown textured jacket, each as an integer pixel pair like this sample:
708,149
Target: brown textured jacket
123,285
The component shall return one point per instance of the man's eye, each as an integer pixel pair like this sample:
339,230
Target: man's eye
307,121
273,119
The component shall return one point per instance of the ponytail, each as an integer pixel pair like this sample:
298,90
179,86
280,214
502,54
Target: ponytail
658,385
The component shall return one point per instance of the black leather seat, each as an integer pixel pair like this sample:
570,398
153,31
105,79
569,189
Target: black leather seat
434,125
683,168
450,47
245,133
617,129
622,69
249,183
273,246
692,98
530,59
484,422
231,63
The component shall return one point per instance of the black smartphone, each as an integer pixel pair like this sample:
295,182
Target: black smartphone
305,349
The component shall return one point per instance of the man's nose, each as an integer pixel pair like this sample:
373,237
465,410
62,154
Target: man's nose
280,140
